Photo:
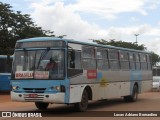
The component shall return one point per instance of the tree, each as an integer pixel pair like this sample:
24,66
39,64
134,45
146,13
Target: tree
155,57
120,43
15,26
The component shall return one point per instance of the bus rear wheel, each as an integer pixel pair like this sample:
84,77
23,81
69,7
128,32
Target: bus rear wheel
41,105
83,105
133,97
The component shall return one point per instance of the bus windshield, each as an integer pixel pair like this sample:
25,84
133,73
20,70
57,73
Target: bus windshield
38,64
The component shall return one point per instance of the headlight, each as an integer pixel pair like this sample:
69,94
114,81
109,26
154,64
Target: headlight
57,88
15,87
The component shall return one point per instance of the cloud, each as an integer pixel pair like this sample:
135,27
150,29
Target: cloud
131,30
64,21
153,45
109,8
153,4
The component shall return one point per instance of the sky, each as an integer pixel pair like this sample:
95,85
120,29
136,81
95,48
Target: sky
84,20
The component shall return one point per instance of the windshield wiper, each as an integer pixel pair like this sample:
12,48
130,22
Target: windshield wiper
25,57
43,54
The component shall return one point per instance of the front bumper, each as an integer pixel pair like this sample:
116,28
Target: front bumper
41,97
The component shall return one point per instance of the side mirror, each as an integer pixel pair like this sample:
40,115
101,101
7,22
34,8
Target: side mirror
72,55
72,64
72,59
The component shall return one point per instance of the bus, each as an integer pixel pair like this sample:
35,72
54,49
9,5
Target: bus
82,72
156,78
5,72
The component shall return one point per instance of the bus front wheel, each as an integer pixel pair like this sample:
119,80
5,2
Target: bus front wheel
82,106
41,105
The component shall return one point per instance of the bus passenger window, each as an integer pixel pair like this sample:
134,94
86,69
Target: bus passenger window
132,61
143,60
71,59
102,59
74,64
88,52
113,59
89,64
3,66
137,58
149,62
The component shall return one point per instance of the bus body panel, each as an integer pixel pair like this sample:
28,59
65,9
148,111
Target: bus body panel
53,97
108,85
42,88
76,93
5,81
146,82
5,69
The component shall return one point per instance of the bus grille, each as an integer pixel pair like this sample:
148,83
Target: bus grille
30,99
34,90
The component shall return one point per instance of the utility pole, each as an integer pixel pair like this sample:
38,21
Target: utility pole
136,38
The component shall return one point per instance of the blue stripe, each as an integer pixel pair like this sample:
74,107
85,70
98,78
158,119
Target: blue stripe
135,76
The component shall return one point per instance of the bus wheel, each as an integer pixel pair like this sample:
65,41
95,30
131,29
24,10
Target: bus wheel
82,106
41,105
133,97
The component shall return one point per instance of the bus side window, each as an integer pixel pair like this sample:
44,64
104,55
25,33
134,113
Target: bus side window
71,59
113,59
149,62
74,63
102,59
132,61
124,60
78,60
74,59
89,55
137,59
3,64
143,60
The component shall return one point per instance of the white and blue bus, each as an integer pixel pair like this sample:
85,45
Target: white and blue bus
5,72
81,72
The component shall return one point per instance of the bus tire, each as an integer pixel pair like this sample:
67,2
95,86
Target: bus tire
41,105
134,96
83,105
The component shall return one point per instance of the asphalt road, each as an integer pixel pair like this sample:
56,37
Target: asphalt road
147,103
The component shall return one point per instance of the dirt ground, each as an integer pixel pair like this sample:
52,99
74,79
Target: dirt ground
149,102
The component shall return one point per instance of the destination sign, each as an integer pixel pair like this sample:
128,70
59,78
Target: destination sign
23,74
40,44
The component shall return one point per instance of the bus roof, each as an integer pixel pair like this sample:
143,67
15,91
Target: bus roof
77,42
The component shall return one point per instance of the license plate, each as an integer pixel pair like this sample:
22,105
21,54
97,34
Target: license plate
33,95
